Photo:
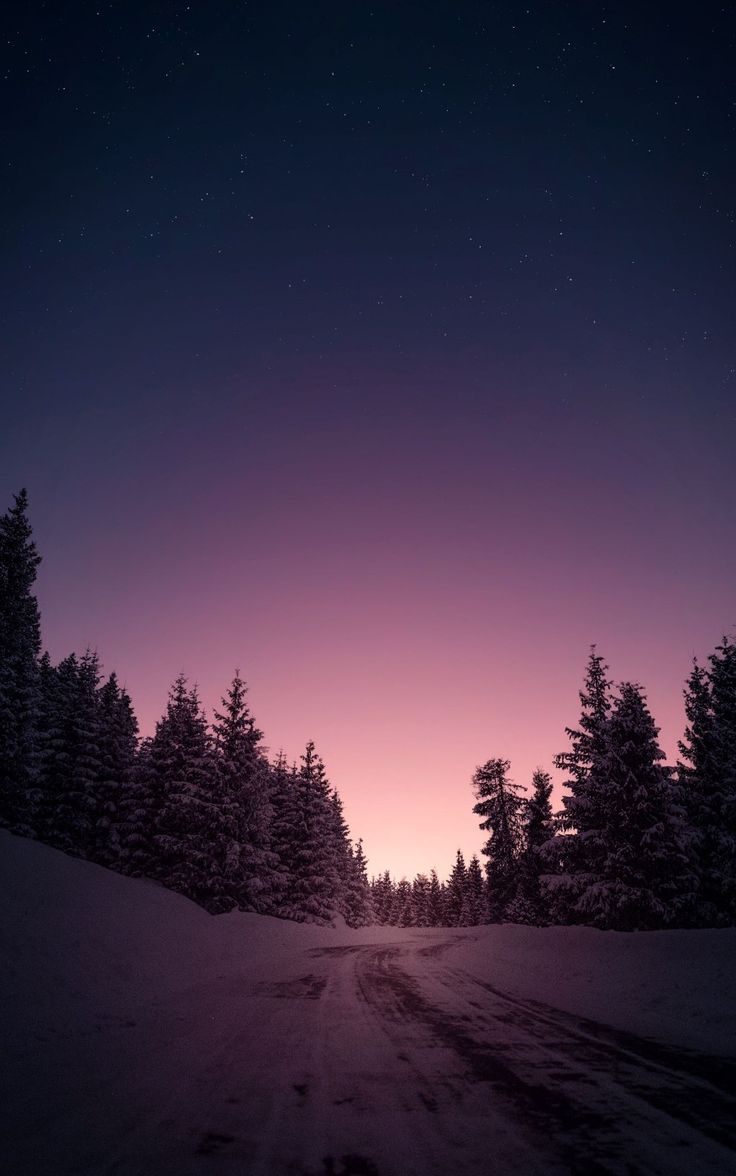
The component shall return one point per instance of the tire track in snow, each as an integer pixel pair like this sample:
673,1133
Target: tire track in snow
693,1087
603,1101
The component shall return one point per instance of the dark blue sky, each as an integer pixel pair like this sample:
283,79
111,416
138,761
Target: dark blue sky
424,305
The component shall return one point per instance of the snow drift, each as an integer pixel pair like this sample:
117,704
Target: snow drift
133,1019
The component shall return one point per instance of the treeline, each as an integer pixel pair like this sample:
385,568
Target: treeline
510,887
637,844
428,902
202,809
197,807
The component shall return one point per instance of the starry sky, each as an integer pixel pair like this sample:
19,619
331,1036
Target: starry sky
384,351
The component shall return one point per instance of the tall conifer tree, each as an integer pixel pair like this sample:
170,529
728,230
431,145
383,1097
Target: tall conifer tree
456,887
310,896
20,645
247,862
638,872
118,745
475,906
179,776
585,801
708,783
530,904
500,805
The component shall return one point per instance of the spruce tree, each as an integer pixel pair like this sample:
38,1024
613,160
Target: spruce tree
436,901
118,744
285,830
589,739
567,854
402,914
311,893
708,784
475,908
340,865
456,887
638,874
20,644
359,910
71,755
500,805
246,862
530,904
179,777
420,901
382,891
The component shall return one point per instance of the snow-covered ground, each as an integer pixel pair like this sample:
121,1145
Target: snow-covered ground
142,1036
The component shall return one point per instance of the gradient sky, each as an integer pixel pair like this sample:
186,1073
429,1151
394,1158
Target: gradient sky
384,351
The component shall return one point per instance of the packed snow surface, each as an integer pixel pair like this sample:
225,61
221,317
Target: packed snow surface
144,1036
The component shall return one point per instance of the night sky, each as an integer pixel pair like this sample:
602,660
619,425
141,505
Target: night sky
385,351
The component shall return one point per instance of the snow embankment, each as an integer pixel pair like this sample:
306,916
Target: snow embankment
79,943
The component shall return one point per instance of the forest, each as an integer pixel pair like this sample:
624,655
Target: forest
201,808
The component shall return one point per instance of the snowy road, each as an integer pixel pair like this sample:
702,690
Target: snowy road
375,1059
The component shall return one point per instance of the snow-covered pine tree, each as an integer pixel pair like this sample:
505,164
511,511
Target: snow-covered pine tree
20,645
638,873
723,694
341,854
71,758
435,901
382,892
285,828
402,914
589,740
708,784
420,901
359,910
248,867
566,854
456,891
500,805
475,906
530,902
310,897
118,745
180,779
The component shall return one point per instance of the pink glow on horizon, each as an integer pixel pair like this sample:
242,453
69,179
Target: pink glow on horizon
407,675
413,583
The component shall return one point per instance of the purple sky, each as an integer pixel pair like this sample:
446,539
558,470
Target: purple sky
389,359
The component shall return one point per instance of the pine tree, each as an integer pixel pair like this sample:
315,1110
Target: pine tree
723,694
285,830
311,893
456,887
475,908
118,744
246,862
340,858
179,774
637,872
530,903
382,892
402,914
359,911
70,802
585,803
436,901
500,805
708,783
20,645
420,901
589,741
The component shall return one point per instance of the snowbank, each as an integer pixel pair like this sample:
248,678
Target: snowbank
77,940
